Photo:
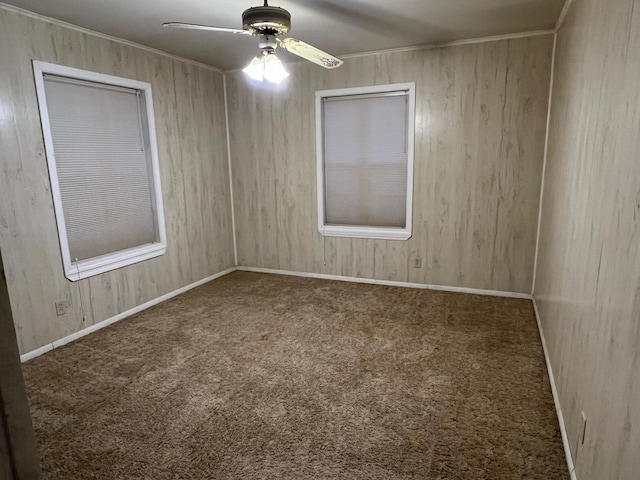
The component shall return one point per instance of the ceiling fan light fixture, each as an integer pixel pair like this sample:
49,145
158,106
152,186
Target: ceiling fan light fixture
269,24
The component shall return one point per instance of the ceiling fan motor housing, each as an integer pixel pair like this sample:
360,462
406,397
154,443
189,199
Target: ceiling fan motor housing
266,20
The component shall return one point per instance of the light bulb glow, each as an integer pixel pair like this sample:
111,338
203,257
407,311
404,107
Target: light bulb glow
274,71
266,66
255,68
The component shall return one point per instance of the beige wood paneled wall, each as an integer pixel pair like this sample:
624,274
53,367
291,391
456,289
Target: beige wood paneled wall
481,114
588,271
190,123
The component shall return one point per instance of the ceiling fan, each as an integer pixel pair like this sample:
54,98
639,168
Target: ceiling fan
269,24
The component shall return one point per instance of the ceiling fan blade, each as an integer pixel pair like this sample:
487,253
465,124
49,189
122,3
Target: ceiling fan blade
195,26
309,52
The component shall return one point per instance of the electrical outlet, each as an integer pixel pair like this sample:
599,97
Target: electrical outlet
417,262
583,433
62,307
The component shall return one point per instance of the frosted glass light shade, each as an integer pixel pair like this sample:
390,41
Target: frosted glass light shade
274,71
266,66
254,69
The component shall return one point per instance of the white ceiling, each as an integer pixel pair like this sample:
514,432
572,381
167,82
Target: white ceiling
336,26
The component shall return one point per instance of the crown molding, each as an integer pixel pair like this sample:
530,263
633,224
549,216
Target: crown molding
453,43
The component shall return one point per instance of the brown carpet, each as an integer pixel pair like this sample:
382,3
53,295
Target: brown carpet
257,376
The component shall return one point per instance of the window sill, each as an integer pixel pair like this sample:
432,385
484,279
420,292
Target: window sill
377,233
106,263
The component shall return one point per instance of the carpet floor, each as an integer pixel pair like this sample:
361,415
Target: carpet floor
256,376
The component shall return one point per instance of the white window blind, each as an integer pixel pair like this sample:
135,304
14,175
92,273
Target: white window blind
366,159
100,141
364,141
102,167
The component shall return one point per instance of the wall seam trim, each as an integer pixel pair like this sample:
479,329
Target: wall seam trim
544,163
87,31
100,325
556,399
390,283
563,14
233,210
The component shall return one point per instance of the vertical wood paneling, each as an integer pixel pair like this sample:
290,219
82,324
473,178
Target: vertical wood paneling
481,113
190,123
587,282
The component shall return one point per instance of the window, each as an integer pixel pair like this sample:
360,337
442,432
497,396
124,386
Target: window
101,151
365,161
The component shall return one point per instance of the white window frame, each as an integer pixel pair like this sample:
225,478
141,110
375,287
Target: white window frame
356,231
93,266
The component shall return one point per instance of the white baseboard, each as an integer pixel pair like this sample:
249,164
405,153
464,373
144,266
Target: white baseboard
556,400
86,331
36,353
391,283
